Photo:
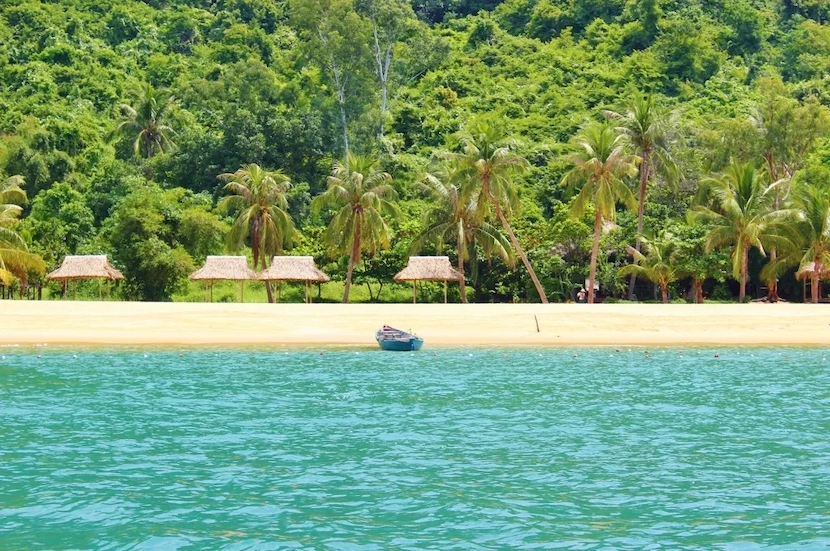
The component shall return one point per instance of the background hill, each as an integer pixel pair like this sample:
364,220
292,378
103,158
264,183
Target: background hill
289,85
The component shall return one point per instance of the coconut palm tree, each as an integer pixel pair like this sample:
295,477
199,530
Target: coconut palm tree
492,168
601,167
147,121
258,198
15,257
648,131
454,217
743,216
361,196
657,265
808,230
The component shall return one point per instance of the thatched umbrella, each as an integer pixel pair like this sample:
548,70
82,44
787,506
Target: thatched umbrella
294,268
808,272
91,266
230,268
428,268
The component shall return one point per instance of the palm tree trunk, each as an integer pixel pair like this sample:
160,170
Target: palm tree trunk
268,290
592,275
698,283
644,173
462,288
521,252
814,286
354,257
744,263
257,253
664,292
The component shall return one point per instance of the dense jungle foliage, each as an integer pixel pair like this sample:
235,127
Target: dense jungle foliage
507,133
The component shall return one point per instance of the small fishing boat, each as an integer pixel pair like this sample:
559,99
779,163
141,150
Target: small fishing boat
390,338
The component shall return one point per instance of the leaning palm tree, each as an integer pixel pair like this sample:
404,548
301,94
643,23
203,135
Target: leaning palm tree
742,216
656,265
492,168
361,196
454,217
15,257
648,131
11,197
147,122
601,167
809,232
258,198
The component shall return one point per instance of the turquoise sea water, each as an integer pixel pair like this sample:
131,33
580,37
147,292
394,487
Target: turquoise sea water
444,449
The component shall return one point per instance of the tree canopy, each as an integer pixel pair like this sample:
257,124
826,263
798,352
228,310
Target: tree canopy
117,119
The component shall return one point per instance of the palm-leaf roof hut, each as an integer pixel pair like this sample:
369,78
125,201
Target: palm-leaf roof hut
428,268
90,266
806,274
294,268
224,268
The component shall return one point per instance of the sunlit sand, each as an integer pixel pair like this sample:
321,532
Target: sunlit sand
67,322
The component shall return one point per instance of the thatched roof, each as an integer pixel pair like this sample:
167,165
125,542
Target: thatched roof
809,269
428,268
224,267
85,267
293,268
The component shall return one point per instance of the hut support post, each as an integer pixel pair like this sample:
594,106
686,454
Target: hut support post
242,291
99,289
108,289
445,291
307,293
211,291
65,283
414,294
74,290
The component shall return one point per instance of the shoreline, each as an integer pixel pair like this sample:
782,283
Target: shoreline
337,325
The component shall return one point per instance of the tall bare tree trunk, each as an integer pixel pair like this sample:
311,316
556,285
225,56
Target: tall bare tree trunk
340,84
522,254
664,292
698,283
592,275
383,58
462,286
644,174
354,257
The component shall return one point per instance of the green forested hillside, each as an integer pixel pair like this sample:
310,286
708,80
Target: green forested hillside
120,118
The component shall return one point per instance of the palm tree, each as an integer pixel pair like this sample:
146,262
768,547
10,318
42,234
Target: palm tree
147,122
648,131
656,265
600,166
454,217
258,198
809,232
743,216
15,257
361,196
492,168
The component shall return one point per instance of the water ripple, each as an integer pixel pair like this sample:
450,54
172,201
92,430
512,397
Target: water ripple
448,449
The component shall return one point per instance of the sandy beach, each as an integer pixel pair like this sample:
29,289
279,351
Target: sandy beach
67,322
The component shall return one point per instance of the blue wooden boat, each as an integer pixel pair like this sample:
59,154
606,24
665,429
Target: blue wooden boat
390,338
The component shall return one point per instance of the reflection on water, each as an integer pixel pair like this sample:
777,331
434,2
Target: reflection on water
442,449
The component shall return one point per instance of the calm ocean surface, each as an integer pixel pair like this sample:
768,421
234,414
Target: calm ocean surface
445,449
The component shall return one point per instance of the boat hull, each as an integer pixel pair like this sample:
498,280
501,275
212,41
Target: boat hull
401,346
